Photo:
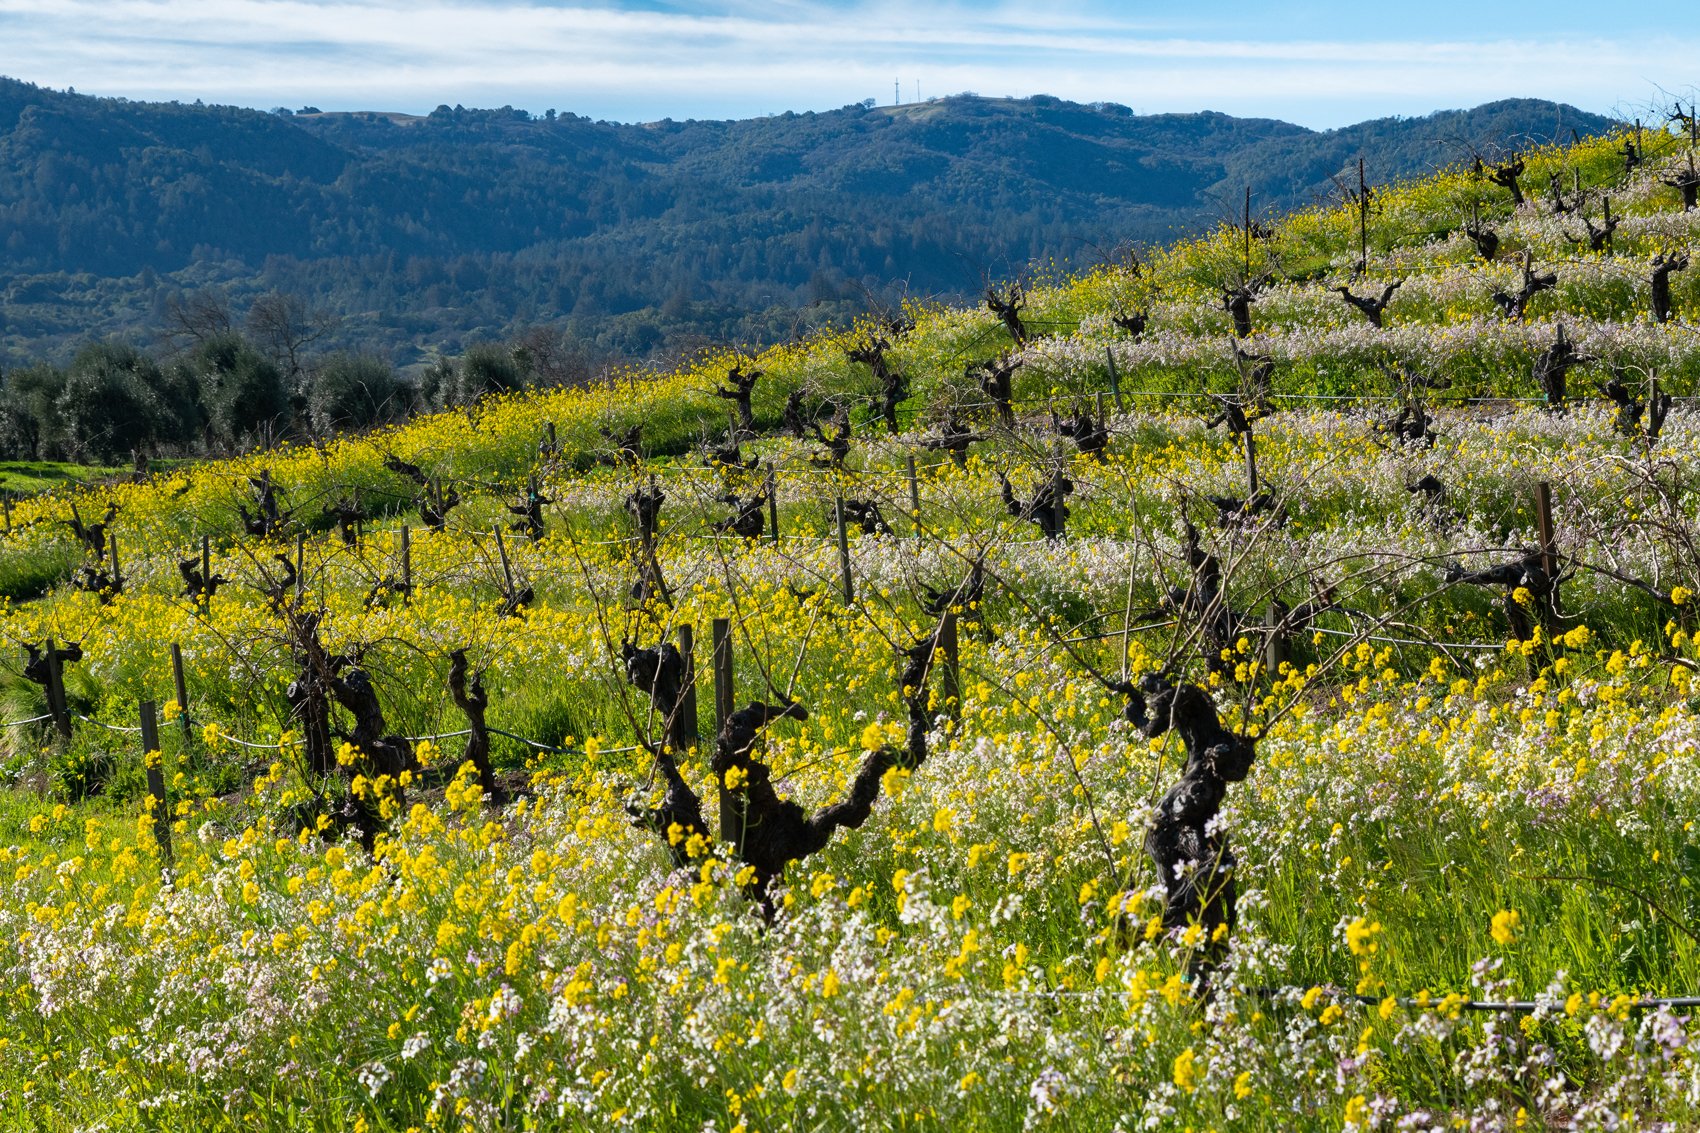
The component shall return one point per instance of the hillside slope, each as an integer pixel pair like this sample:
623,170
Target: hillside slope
1427,754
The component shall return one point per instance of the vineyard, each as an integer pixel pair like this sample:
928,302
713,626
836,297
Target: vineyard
1248,686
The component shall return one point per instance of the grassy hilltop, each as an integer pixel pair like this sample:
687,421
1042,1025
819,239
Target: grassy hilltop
1468,786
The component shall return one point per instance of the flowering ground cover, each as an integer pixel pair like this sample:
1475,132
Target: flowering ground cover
1476,780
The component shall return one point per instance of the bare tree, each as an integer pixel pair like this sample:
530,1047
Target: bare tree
766,830
1687,182
1631,150
1631,409
953,438
1553,364
472,700
1663,265
194,318
1485,239
739,392
1008,307
1237,300
1185,843
1505,175
1599,239
894,384
1133,322
1372,307
284,325
1513,307
554,357
996,377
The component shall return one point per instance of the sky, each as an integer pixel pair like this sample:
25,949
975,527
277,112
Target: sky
1320,65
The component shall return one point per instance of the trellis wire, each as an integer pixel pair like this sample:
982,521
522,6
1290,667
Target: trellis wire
1431,1003
282,743
1409,641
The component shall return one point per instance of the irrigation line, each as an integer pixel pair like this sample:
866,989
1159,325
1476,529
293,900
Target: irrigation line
528,743
1430,1003
537,744
1441,401
280,743
104,724
1515,1005
273,746
540,746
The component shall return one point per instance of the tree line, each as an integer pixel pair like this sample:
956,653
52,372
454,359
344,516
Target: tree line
220,384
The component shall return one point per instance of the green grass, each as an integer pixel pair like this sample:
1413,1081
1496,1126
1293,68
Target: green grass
26,477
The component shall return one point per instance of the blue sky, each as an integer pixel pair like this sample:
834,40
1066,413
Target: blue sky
1321,65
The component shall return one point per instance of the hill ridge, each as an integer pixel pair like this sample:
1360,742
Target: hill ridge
467,225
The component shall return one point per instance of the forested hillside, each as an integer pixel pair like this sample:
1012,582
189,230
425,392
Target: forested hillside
462,225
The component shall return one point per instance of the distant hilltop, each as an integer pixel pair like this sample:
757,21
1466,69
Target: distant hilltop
428,232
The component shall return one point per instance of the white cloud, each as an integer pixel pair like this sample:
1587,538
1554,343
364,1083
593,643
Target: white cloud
773,56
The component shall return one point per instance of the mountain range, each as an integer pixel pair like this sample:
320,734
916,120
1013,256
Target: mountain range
425,233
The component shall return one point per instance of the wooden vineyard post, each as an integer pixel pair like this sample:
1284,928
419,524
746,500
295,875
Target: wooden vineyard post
1549,552
507,567
532,492
1543,522
847,583
1115,381
1099,398
1250,465
56,706
1274,642
914,493
406,539
952,673
206,573
773,506
155,760
683,732
724,695
1246,227
182,687
1549,542
1363,219
724,706
1059,507
300,566
117,566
